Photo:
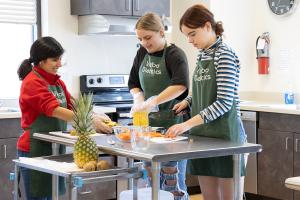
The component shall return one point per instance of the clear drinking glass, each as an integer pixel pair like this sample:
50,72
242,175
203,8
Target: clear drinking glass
140,137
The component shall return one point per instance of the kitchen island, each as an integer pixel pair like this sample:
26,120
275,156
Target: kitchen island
194,147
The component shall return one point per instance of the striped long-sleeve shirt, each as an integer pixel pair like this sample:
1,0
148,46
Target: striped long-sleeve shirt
227,76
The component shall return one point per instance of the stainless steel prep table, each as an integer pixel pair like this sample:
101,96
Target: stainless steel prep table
194,147
75,178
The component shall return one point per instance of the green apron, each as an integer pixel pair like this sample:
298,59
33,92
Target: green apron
225,127
41,183
154,78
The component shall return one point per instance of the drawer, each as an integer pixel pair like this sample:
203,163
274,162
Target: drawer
10,128
101,190
279,122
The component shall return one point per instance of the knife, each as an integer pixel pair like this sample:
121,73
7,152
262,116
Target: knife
166,114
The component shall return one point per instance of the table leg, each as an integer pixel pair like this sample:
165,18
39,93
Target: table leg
55,189
16,195
236,175
135,189
74,193
155,169
130,181
69,188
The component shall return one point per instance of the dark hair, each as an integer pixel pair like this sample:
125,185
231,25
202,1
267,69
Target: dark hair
196,17
41,49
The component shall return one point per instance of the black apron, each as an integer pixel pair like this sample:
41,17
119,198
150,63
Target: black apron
41,183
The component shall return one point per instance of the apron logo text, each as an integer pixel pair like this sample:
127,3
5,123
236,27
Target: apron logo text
202,75
151,68
59,96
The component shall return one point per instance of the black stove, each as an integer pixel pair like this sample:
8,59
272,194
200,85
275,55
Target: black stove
109,90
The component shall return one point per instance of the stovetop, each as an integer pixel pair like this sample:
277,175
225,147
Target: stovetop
108,89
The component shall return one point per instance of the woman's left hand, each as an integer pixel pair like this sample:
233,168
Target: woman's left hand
177,129
99,125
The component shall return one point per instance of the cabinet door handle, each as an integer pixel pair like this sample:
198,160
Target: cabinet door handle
287,143
85,192
127,5
137,5
5,151
296,145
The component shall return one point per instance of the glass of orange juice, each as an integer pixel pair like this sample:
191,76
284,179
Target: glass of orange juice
140,118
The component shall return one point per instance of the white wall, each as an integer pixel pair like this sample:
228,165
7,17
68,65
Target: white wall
244,21
97,54
178,8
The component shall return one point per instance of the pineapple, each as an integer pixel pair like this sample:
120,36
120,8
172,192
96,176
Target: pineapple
85,148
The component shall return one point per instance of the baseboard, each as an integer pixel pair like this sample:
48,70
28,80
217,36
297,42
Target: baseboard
250,196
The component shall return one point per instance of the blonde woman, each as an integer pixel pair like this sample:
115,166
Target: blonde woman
159,75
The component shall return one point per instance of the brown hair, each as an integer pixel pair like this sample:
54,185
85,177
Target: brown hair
150,22
196,17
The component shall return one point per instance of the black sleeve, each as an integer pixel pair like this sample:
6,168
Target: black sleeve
134,81
178,69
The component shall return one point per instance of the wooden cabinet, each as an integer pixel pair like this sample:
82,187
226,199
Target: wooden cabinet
162,7
279,134
111,7
297,161
275,163
9,132
120,7
80,7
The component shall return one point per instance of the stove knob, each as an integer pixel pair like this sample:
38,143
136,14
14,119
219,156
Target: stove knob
91,81
99,80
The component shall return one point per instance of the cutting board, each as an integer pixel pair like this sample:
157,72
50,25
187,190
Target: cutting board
167,140
67,135
64,167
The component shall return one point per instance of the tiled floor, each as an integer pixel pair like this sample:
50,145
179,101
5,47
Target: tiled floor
196,197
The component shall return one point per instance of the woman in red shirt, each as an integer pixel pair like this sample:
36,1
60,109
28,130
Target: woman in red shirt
45,104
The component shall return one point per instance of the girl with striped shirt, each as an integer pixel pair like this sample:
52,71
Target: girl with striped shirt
214,102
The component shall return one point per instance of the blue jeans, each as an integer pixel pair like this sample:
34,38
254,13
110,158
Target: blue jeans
179,176
243,136
25,172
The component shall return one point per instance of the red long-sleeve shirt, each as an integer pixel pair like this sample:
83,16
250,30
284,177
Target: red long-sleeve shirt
36,99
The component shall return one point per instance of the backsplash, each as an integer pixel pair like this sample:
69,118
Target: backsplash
9,102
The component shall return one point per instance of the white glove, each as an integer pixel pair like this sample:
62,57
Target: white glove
138,99
150,105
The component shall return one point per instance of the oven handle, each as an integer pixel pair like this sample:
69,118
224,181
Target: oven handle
124,115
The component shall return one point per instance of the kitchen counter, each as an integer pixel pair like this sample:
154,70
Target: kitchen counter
9,112
12,112
245,105
270,107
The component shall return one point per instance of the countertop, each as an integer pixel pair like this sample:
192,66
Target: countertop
270,107
194,147
7,112
14,112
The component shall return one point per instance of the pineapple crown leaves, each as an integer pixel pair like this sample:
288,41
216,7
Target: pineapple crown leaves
83,111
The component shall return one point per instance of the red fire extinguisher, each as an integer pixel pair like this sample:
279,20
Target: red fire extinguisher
262,52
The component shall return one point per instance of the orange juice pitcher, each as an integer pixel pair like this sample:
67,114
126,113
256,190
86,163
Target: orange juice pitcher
140,118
